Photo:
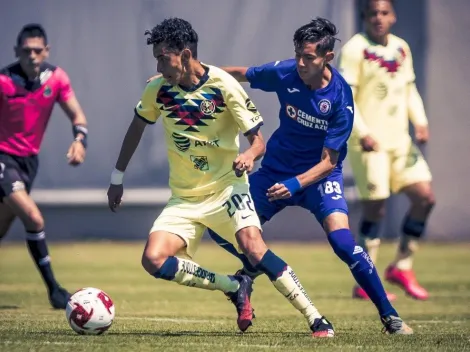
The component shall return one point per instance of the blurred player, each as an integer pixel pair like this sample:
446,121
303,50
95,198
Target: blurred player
203,109
378,66
29,88
303,161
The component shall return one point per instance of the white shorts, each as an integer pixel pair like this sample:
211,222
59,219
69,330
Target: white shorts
225,212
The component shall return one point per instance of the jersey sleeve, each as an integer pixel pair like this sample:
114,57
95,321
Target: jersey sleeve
147,108
242,108
349,63
341,124
65,90
265,77
410,72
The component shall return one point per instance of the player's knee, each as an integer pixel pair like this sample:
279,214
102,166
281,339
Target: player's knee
374,211
427,201
153,260
34,221
251,244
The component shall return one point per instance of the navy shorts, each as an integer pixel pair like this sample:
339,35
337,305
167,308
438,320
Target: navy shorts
321,199
16,173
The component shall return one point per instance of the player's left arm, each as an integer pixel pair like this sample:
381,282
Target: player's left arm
339,130
416,110
249,121
246,160
417,114
70,105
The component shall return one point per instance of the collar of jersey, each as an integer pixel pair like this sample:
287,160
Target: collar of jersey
203,80
19,71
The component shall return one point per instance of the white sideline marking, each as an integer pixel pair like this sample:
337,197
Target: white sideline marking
225,346
8,342
172,320
59,343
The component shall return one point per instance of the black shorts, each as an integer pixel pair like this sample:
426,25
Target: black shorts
16,173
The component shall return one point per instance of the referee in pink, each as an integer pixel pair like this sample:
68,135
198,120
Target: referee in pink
29,88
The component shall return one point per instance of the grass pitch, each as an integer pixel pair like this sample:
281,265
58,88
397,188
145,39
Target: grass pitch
153,315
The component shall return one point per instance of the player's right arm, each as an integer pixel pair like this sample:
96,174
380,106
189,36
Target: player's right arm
238,72
350,68
146,112
265,77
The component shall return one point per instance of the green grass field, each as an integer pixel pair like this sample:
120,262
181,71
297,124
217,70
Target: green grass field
154,315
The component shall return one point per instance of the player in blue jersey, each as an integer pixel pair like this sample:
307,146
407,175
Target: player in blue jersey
303,161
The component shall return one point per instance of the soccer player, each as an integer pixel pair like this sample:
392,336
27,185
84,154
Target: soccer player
29,88
203,109
379,67
303,161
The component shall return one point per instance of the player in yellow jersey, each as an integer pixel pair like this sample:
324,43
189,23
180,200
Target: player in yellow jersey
379,67
203,109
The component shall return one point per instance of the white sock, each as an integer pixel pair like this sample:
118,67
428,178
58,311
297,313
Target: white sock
406,249
192,274
289,285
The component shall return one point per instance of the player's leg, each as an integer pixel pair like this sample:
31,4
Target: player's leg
238,216
16,183
371,172
24,207
6,217
259,181
326,201
174,239
412,177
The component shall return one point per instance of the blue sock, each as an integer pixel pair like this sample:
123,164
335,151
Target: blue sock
271,265
362,269
168,270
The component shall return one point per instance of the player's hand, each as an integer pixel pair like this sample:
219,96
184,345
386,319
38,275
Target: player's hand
421,134
369,144
115,193
153,77
243,162
76,153
278,191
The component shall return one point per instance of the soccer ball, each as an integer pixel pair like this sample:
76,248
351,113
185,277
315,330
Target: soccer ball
90,311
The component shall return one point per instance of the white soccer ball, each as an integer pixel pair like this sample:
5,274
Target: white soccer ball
90,311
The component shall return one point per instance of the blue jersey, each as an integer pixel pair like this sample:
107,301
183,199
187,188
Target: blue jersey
309,119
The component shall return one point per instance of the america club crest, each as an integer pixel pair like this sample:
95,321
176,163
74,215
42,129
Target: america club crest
207,107
325,106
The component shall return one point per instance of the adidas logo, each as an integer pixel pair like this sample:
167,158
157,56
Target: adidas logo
357,250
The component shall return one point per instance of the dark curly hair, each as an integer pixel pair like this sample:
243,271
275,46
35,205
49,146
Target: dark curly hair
177,34
320,31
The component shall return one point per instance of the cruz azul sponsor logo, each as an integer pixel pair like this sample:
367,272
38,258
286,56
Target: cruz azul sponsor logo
305,119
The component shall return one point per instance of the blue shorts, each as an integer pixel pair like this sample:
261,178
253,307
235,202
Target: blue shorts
321,199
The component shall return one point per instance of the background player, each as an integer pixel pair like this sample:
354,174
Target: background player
378,66
303,161
28,90
203,110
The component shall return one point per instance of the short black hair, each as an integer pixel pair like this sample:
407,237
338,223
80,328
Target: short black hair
31,30
366,5
320,31
177,33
